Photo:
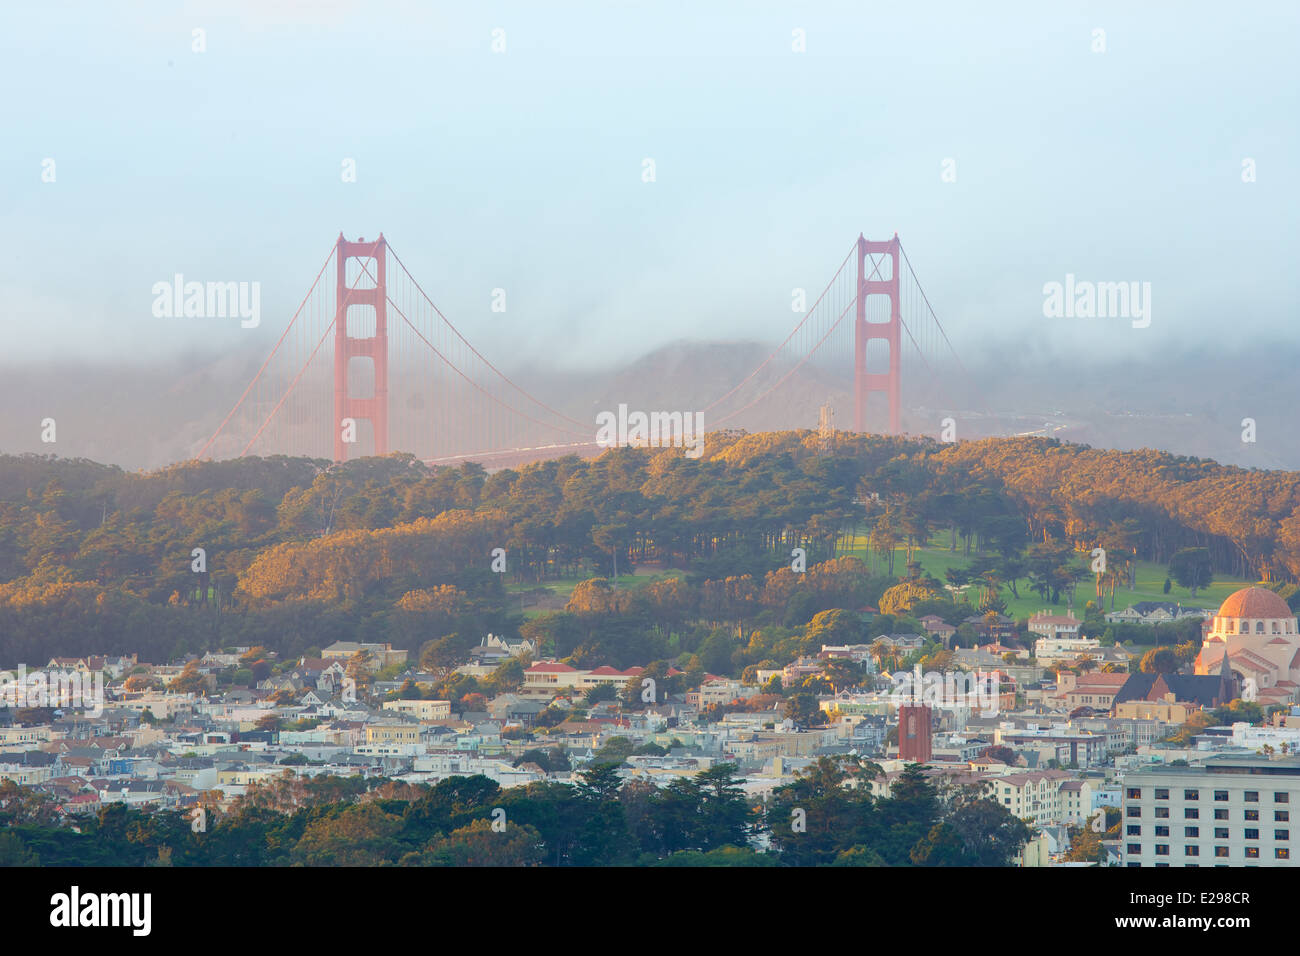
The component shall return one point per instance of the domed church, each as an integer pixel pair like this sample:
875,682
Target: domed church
1256,631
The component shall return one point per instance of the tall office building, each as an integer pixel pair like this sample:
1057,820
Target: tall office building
1228,811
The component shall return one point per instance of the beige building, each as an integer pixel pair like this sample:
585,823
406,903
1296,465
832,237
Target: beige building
1039,796
23,738
24,775
1037,852
1047,624
243,776
1094,689
380,655
1167,711
421,709
762,747
394,734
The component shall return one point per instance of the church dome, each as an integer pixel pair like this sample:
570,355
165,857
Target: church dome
1255,603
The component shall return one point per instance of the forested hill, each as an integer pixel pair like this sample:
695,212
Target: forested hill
300,553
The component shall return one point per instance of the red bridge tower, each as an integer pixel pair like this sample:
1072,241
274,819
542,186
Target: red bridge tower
375,347
888,382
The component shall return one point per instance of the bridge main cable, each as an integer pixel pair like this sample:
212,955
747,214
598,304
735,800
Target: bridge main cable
398,309
777,350
938,325
506,378
225,421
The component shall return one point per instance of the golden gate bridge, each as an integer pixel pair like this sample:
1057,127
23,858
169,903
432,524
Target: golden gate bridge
368,364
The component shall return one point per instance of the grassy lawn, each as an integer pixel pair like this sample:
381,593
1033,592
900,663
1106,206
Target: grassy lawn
936,559
562,588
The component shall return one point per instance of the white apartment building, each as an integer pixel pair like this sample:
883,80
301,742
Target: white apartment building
552,677
1281,739
1229,811
1076,802
421,709
1049,649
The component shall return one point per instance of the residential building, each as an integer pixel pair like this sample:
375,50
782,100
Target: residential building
1093,689
383,734
937,627
1047,624
421,709
551,677
1194,690
1154,612
380,655
1050,649
1037,796
1228,811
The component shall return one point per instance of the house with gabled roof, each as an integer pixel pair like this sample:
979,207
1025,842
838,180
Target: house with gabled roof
1202,690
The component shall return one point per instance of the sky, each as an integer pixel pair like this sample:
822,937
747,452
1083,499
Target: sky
522,168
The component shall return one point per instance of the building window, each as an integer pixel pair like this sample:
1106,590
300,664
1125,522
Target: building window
1252,834
1221,813
1282,816
1162,831
1191,794
1220,851
1132,811
1134,793
1191,831
1162,812
1191,851
1281,834
1220,795
1162,849
1252,814
1191,813
1252,853
1252,796
1132,830
1162,793
1220,833
1135,848
1282,797
1282,853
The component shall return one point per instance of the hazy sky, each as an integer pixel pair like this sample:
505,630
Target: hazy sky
523,169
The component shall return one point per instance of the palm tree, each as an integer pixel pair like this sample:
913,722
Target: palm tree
883,651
